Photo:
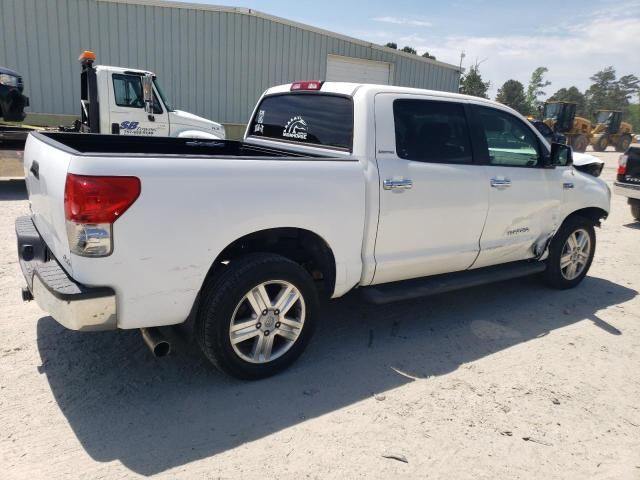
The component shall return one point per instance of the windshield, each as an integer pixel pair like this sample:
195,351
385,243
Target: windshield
603,117
162,96
552,110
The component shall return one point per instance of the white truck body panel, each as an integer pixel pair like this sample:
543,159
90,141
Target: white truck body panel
192,207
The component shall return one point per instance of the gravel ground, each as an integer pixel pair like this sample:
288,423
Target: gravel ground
504,381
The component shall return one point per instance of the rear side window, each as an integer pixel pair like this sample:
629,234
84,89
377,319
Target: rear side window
431,131
314,119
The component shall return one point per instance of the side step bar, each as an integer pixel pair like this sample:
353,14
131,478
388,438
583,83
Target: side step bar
423,287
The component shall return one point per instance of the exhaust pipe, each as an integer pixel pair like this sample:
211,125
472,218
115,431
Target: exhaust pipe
157,343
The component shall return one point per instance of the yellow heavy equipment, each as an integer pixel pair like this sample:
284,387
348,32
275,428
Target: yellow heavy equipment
609,129
561,118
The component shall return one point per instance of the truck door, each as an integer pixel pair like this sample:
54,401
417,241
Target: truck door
433,197
126,108
524,199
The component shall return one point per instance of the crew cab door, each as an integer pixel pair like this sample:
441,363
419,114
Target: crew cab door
524,197
433,198
126,108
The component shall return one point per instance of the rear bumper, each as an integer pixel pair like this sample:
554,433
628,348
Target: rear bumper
73,305
627,190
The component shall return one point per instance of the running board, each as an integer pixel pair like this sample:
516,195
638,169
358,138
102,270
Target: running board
423,287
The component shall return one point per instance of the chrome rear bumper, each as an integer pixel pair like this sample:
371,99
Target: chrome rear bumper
73,305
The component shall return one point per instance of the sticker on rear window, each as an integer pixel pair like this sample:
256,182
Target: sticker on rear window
296,128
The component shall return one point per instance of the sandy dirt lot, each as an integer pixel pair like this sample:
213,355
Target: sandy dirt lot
505,381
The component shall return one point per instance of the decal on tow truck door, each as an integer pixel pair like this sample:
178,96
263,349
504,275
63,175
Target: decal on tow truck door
133,128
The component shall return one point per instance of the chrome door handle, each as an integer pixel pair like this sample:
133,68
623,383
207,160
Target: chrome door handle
391,184
500,183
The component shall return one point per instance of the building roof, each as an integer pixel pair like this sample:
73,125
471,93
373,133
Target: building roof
284,21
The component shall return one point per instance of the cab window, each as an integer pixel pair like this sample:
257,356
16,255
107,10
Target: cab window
509,141
431,131
127,92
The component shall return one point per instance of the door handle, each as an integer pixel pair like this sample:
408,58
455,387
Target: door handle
500,183
391,184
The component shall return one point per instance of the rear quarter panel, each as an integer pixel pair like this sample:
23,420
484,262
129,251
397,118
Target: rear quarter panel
191,208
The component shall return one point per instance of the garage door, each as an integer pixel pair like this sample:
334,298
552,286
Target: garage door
349,69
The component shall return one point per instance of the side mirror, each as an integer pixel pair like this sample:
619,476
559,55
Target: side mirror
561,155
147,93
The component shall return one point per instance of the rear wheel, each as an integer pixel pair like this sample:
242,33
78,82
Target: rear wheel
571,253
635,210
580,143
623,143
601,144
258,316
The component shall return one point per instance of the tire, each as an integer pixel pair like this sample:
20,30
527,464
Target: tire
226,303
580,143
635,211
560,250
623,143
601,144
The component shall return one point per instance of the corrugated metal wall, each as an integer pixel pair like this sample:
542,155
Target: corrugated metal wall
211,63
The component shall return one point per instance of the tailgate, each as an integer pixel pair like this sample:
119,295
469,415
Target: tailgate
45,171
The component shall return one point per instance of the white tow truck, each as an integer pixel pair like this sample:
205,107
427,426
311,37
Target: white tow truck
397,192
131,102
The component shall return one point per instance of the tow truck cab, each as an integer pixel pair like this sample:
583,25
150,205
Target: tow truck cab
127,101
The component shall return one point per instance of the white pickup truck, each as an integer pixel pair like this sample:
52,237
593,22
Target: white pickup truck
397,192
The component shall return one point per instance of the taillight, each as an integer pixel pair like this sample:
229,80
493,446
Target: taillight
622,164
91,205
306,85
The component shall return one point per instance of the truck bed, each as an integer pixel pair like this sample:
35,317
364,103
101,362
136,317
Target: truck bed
83,144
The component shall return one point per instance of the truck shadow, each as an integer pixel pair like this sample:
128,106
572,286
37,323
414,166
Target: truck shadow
153,415
13,190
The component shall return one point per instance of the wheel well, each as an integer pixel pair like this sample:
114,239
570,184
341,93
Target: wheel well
593,214
301,246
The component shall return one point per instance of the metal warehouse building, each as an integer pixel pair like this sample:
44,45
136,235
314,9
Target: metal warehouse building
212,61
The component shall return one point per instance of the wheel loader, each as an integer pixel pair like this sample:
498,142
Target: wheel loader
561,118
609,129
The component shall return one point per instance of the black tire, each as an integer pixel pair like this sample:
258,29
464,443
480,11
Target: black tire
623,143
601,144
554,275
222,296
580,143
635,210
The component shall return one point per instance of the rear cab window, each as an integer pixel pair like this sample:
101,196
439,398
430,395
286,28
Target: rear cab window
312,119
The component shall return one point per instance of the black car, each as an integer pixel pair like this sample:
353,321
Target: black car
12,101
628,178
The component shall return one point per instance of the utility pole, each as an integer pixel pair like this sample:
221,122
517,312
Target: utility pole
462,55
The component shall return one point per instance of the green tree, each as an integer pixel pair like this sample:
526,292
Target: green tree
535,89
632,115
602,94
408,49
472,84
628,87
392,45
571,95
512,94
428,55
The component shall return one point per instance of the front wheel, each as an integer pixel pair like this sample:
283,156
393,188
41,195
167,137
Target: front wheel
258,316
571,253
580,143
623,143
601,144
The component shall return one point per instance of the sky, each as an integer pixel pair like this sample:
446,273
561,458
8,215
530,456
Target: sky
509,39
